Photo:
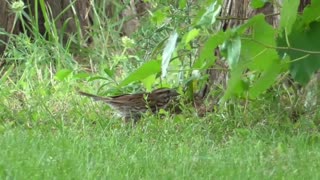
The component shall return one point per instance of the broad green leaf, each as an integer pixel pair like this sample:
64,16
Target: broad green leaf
233,51
304,52
235,86
257,55
147,69
63,74
311,12
207,56
243,29
167,52
191,35
259,48
81,75
209,17
266,79
258,3
288,14
148,82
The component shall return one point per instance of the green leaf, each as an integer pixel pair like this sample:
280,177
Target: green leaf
109,72
207,56
235,86
167,52
160,16
288,14
81,75
243,29
259,49
266,79
311,12
258,55
63,74
147,69
148,82
209,17
158,48
182,4
97,77
305,63
258,3
233,51
191,35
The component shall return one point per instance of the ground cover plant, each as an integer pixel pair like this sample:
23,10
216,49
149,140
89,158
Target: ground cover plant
263,127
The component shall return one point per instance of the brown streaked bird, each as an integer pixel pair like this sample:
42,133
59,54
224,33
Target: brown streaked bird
132,106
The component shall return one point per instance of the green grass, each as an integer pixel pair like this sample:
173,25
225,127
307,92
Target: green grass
47,131
174,148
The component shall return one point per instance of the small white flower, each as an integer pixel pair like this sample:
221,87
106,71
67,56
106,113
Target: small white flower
196,73
18,6
127,42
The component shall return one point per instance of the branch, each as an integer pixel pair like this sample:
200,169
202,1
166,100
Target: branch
243,18
282,48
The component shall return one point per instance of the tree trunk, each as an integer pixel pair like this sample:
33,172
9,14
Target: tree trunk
6,23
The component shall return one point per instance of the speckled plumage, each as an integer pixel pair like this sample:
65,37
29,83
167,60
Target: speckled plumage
132,106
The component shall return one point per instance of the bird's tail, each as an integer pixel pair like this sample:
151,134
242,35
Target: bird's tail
94,97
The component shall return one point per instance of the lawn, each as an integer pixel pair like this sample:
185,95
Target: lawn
178,147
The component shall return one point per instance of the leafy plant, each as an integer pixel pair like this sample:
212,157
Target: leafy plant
179,42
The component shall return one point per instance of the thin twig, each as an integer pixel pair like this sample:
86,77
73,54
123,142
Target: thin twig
244,18
282,48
